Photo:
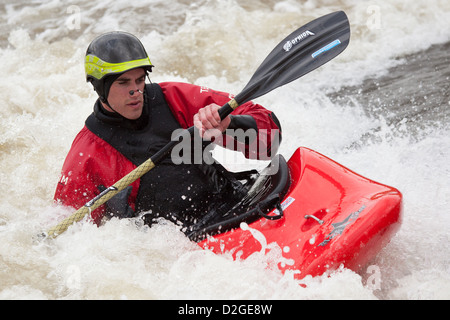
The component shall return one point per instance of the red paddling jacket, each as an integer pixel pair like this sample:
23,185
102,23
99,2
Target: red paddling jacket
110,146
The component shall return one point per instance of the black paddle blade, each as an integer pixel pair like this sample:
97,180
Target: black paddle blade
302,51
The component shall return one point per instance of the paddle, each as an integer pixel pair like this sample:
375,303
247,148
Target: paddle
302,51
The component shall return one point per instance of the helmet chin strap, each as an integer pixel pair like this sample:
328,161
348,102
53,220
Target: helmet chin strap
105,101
151,84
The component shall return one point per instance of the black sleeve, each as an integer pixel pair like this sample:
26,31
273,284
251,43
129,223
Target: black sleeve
244,122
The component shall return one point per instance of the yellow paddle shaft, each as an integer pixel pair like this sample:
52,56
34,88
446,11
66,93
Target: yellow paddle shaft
101,198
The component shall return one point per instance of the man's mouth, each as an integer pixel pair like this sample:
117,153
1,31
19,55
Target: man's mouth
134,104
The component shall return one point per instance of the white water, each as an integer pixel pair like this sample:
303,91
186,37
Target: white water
44,102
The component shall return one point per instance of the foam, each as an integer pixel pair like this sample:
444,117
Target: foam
45,101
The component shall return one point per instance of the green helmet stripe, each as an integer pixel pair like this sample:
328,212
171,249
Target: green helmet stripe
97,68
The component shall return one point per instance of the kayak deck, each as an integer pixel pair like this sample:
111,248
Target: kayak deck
331,216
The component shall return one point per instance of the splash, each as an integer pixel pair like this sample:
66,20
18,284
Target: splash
45,102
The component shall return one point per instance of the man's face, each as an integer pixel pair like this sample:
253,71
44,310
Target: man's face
120,99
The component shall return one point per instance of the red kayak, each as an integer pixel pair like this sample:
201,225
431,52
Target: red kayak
319,213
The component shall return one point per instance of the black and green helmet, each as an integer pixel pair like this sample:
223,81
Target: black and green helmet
110,55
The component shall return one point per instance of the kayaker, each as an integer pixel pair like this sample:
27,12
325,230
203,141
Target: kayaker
132,120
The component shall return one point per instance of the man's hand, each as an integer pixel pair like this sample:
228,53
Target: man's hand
208,122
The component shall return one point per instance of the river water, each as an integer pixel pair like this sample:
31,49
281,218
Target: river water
382,108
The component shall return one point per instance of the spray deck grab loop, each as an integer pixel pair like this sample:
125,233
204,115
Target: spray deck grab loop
314,217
